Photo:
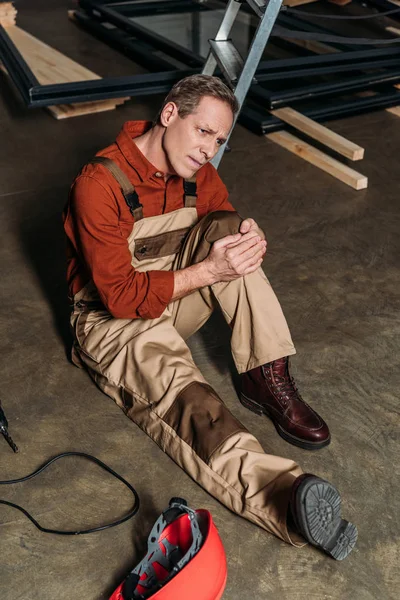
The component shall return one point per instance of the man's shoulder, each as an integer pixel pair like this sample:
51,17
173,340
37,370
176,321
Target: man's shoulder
98,171
208,176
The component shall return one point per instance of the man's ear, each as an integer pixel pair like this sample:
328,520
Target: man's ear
168,114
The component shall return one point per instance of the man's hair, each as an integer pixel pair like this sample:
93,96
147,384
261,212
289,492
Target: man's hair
188,92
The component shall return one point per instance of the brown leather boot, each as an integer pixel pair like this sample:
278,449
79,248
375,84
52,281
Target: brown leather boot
315,507
270,390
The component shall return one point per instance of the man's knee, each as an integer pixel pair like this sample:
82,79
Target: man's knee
221,223
213,227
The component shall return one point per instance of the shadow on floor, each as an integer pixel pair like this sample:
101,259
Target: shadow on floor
43,241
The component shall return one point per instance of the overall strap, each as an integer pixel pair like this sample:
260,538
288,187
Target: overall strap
127,188
190,192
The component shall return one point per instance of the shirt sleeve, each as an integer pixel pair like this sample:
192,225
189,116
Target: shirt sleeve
125,292
219,197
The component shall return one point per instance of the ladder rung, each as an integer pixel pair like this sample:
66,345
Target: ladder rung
258,6
228,58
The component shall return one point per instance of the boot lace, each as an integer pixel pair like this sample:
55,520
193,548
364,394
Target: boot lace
284,387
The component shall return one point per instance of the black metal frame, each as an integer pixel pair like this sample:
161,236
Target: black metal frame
385,6
134,49
363,82
143,45
256,120
102,12
36,95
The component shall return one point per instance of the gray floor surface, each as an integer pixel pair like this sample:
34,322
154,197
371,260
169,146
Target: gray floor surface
333,259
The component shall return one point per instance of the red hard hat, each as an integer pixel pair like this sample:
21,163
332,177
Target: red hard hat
185,559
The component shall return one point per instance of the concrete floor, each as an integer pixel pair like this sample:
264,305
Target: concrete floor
333,259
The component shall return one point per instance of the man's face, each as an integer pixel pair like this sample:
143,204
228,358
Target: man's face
194,140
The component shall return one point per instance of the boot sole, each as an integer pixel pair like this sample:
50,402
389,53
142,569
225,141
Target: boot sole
318,517
288,437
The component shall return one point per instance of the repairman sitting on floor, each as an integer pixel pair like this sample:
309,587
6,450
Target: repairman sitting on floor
153,246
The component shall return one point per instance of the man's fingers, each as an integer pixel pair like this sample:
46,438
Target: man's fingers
251,235
253,266
246,225
248,258
227,240
251,245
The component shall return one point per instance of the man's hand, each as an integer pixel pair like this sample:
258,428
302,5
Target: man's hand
234,256
250,225
230,257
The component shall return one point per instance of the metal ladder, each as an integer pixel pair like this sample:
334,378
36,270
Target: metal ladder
239,73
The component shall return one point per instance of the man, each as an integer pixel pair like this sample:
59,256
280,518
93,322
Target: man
153,246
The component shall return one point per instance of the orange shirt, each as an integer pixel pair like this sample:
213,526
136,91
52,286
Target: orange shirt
98,222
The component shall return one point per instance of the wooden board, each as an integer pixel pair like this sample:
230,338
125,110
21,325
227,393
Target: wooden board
394,110
297,2
394,30
64,111
51,66
319,159
8,14
340,2
320,133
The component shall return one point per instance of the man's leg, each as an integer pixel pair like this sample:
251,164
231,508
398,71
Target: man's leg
260,334
147,368
260,341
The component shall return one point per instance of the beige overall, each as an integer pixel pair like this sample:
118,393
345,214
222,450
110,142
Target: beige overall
147,368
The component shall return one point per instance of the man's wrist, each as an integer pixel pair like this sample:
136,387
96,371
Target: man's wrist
191,279
201,275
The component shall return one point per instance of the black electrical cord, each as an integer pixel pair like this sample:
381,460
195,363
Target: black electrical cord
131,513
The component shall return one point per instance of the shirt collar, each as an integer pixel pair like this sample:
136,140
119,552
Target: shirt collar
125,143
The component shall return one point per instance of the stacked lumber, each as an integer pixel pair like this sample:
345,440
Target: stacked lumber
51,66
313,155
320,133
8,14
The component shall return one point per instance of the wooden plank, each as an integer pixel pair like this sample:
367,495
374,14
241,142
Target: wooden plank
320,133
64,111
292,3
51,66
319,159
394,110
394,30
297,2
340,2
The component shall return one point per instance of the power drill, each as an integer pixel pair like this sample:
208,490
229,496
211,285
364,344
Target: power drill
4,430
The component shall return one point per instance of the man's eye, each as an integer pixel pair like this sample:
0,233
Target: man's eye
202,130
219,142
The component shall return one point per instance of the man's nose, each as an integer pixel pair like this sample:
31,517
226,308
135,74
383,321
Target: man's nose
209,149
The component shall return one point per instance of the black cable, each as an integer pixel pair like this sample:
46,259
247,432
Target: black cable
301,13
131,513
